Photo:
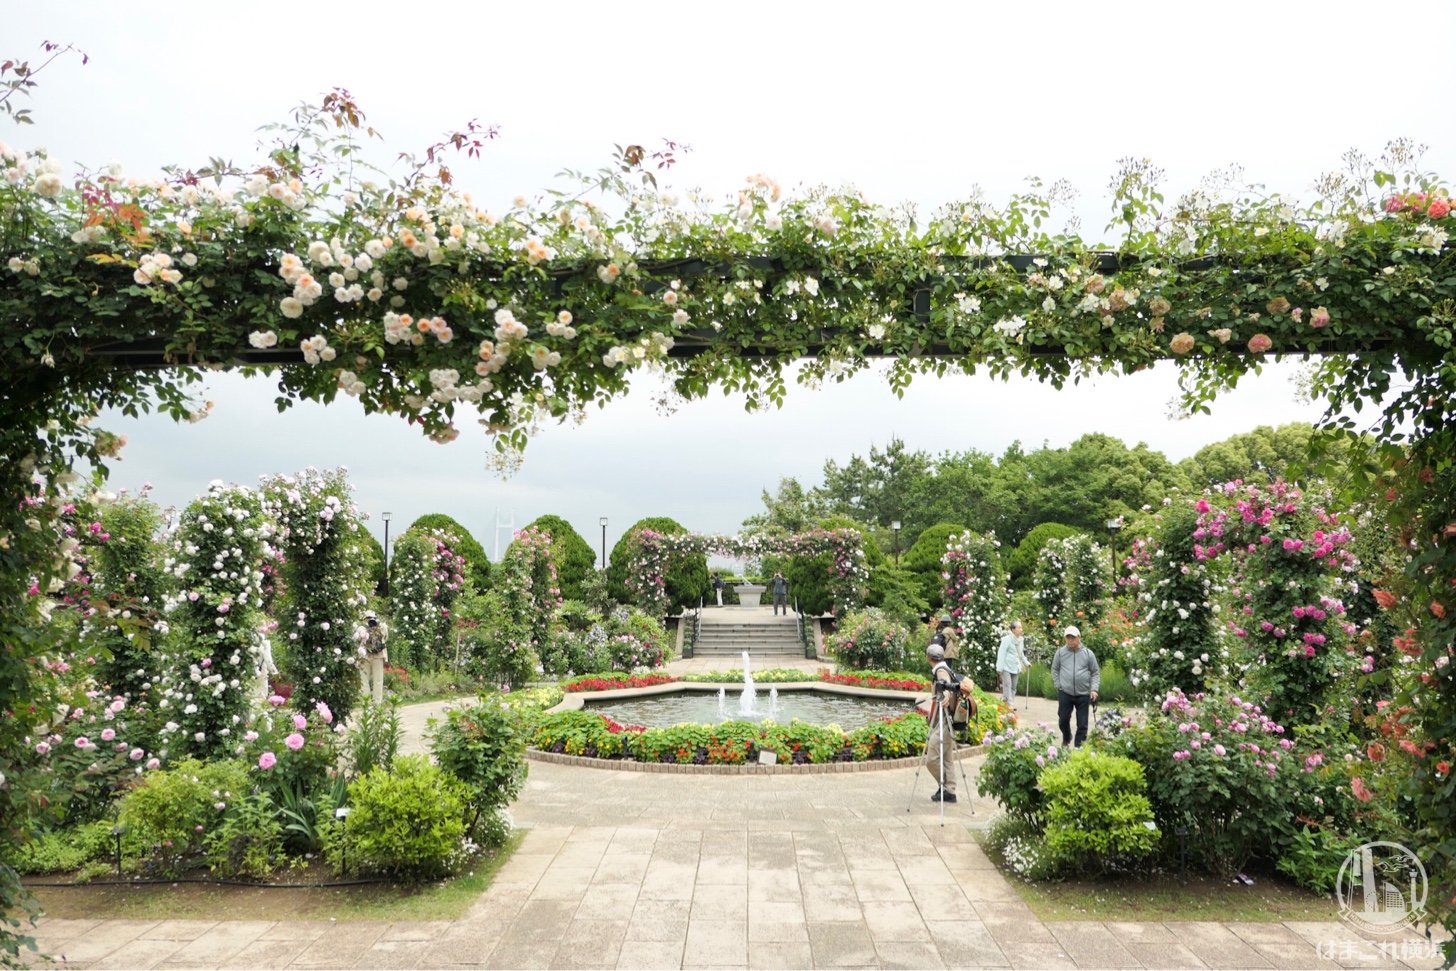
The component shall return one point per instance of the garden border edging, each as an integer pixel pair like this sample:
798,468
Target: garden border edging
822,768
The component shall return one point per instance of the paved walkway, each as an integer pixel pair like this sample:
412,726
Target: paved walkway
626,870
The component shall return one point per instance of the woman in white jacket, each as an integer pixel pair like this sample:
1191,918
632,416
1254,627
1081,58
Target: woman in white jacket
1010,659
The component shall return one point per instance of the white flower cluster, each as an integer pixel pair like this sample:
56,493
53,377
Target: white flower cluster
156,266
263,339
1011,327
561,326
446,382
652,347
402,328
316,349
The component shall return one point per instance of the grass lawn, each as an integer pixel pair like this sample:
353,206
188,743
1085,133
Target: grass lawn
444,900
1161,897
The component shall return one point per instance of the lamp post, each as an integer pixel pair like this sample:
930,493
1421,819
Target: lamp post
386,516
896,527
1113,525
604,542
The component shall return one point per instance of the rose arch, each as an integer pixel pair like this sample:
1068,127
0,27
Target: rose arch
844,549
409,296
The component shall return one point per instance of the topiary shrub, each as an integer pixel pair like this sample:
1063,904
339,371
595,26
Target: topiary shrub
924,560
1021,562
686,575
459,539
575,559
407,823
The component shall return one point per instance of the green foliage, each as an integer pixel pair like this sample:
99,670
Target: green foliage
1178,594
418,625
1097,814
323,542
923,559
869,639
18,910
484,747
1022,848
374,737
175,811
68,850
494,641
1012,771
128,578
248,841
686,574
899,593
974,590
1260,456
1021,562
407,823
1314,857
1069,582
460,539
216,556
575,560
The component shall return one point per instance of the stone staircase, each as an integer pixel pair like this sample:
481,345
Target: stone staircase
726,635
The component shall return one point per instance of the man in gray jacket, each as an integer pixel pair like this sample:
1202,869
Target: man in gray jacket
1077,676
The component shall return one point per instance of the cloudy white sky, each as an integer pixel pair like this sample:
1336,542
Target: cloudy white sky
917,101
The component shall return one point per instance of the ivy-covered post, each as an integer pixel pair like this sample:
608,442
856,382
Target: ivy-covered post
129,581
1179,647
978,600
1069,583
412,600
647,569
318,531
216,558
531,594
1291,564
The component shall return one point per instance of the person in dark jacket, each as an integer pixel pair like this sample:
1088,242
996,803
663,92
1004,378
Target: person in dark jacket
780,588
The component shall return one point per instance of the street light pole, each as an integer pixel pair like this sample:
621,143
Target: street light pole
604,542
386,517
896,527
1113,525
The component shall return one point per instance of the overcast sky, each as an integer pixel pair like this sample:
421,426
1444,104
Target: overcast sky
914,102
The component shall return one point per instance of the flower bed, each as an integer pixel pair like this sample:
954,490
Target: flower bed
887,681
613,682
592,735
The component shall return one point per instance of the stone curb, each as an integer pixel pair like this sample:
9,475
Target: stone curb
825,768
576,700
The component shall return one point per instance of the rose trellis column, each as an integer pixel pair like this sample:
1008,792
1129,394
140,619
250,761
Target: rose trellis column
848,573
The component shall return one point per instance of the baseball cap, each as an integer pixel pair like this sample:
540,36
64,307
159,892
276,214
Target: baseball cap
935,652
1071,632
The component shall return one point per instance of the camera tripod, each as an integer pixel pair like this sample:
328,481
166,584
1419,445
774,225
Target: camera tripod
946,729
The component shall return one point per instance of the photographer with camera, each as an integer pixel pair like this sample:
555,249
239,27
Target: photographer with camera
950,687
372,638
948,638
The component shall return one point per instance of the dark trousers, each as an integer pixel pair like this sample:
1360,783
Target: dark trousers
781,600
1065,704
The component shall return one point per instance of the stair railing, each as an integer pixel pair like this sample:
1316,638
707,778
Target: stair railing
809,649
694,631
